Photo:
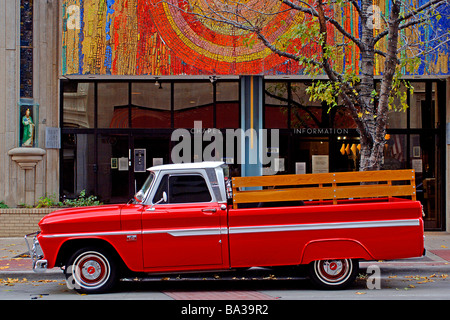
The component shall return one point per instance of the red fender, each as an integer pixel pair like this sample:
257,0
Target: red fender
327,249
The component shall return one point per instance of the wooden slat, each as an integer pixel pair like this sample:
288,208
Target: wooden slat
283,195
374,190
368,191
325,186
323,178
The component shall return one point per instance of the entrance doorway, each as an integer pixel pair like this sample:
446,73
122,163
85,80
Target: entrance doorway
123,160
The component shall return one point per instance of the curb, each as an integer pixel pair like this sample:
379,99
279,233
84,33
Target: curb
30,275
22,268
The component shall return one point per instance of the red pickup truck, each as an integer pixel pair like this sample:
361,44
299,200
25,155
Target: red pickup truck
195,217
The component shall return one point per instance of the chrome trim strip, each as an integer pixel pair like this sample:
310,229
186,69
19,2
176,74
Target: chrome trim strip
326,226
90,234
187,232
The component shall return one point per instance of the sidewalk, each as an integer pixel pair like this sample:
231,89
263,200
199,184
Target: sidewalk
14,260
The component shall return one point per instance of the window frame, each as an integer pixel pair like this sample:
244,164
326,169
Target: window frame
161,175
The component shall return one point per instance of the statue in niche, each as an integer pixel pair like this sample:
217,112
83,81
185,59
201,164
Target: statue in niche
28,129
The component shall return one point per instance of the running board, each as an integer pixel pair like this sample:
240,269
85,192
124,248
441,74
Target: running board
248,275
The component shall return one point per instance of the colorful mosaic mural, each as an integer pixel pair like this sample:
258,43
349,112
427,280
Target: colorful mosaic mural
152,37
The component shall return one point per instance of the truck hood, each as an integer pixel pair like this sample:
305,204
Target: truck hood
82,219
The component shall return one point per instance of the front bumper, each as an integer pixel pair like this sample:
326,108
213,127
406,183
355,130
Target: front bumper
36,253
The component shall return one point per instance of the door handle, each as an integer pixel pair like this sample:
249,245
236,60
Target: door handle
212,210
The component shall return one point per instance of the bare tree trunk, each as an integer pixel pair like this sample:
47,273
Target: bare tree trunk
376,156
367,86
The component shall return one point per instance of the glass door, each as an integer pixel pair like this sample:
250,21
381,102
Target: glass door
147,152
114,162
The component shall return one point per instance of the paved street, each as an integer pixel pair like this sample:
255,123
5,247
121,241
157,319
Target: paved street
396,283
425,278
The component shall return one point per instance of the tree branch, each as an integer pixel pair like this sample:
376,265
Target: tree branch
313,12
297,104
408,16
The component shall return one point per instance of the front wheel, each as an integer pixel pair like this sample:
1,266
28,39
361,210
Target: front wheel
333,274
91,270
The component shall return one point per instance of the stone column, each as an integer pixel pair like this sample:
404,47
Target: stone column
26,159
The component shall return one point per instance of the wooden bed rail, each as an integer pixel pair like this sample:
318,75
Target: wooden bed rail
324,186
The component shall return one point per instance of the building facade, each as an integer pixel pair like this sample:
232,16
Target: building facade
92,91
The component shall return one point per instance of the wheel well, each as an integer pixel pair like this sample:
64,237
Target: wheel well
324,249
70,246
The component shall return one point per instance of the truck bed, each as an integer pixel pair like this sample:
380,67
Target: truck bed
369,229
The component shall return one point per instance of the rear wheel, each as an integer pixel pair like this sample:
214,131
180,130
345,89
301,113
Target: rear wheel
333,274
91,270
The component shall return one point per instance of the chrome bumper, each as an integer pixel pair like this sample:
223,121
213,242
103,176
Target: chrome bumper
36,253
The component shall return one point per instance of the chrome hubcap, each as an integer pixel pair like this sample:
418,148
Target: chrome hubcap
333,272
92,270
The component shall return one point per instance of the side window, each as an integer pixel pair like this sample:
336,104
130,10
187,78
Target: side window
187,189
163,186
183,189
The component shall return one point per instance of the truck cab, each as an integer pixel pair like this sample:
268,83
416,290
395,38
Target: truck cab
184,216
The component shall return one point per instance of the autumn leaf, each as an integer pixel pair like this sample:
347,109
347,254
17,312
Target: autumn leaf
360,292
442,246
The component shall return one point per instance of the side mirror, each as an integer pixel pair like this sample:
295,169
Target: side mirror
139,197
164,198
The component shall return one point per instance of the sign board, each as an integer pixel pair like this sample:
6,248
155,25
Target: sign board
52,138
123,164
319,164
139,160
157,161
300,167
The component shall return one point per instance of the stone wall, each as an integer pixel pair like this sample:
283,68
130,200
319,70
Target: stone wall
19,222
24,178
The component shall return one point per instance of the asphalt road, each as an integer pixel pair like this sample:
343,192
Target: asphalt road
394,283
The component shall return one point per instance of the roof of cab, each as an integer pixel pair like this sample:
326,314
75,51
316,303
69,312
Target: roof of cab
184,166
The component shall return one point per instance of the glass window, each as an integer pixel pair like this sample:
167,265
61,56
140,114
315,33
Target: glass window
345,154
78,164
423,112
227,105
187,189
183,189
227,91
424,160
113,105
227,115
395,152
276,105
306,113
78,105
163,187
113,168
342,118
193,102
26,48
150,105
397,117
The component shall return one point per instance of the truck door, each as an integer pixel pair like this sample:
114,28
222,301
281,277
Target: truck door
185,230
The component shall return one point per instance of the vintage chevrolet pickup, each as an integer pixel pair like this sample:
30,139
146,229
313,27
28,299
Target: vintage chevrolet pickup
195,217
